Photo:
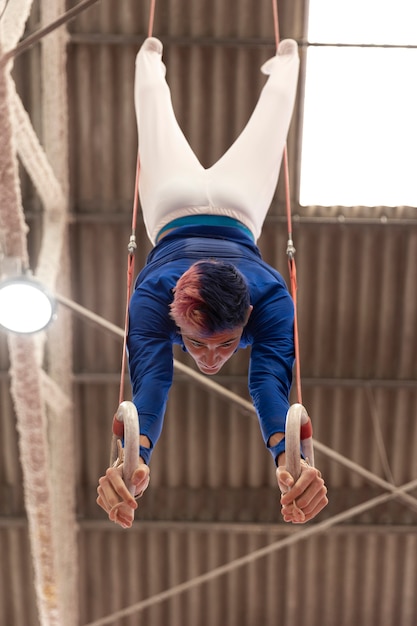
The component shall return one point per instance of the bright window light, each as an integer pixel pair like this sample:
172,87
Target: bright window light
25,307
360,122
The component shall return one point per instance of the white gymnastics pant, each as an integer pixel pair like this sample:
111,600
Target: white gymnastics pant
241,184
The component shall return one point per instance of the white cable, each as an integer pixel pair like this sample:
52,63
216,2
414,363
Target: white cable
305,533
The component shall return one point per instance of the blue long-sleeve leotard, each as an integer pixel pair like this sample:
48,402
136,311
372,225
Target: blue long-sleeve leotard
152,332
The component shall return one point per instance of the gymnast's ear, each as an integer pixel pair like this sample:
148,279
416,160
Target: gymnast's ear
249,311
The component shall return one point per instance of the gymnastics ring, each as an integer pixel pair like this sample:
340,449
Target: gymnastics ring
126,429
298,435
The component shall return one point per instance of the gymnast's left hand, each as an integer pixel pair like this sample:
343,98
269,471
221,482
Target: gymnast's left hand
115,498
302,501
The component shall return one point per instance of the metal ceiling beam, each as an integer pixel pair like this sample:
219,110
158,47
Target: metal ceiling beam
124,217
121,39
113,378
278,530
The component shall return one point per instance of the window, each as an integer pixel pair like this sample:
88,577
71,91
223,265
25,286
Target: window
359,144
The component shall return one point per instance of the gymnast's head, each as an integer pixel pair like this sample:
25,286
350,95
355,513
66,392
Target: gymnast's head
211,307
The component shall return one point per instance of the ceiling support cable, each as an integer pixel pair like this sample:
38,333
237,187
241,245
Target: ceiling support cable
245,406
306,533
35,37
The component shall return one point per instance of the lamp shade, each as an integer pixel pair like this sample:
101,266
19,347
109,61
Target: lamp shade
25,305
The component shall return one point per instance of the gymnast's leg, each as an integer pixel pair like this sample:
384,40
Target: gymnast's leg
170,174
246,176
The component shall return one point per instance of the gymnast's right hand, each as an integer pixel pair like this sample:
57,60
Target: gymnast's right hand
115,498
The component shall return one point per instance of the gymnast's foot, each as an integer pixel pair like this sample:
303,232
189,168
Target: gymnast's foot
153,45
287,47
287,50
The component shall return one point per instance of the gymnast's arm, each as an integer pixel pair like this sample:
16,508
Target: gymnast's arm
151,370
270,377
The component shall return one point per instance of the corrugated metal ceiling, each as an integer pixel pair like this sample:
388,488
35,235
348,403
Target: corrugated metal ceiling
213,496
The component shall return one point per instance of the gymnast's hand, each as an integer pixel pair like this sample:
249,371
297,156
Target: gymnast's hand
115,498
302,501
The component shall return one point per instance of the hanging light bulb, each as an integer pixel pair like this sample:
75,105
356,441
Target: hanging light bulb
25,305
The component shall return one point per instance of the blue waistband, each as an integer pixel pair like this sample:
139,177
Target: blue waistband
205,220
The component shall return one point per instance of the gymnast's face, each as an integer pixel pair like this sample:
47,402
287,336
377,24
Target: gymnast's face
211,353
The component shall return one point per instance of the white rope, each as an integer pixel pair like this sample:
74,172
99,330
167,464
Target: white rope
26,389
33,446
12,224
13,22
25,383
47,465
54,201
53,262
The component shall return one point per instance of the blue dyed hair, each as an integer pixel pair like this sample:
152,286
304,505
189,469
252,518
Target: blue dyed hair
213,296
